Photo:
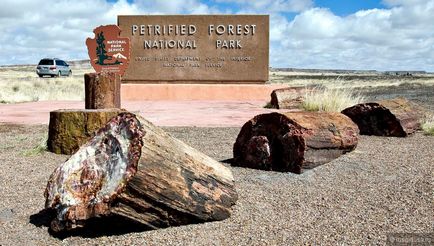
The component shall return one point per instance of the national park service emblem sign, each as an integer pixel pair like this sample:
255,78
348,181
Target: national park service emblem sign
107,51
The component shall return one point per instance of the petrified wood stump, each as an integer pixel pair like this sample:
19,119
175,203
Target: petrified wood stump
288,98
294,141
397,117
102,90
134,169
70,128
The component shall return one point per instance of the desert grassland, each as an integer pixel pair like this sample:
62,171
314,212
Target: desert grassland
345,80
22,84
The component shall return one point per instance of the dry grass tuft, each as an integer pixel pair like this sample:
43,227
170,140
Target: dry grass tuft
330,99
428,125
40,148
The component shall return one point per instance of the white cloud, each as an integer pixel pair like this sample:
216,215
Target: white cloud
401,37
35,29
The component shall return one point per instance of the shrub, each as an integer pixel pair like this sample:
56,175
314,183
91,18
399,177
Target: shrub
268,105
428,125
330,99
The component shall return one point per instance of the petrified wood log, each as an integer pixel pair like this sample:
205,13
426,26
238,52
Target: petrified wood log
397,117
70,128
288,98
134,169
102,90
294,141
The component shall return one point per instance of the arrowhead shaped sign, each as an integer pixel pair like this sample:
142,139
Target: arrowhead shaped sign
107,51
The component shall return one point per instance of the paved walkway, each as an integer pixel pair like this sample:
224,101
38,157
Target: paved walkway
162,113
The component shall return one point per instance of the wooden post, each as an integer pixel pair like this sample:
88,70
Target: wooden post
102,90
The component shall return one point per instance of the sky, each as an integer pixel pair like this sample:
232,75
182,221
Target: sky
379,35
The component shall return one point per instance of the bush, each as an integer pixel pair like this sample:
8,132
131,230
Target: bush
428,125
330,100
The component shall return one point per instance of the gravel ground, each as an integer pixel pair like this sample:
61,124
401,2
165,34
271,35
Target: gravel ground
418,93
384,186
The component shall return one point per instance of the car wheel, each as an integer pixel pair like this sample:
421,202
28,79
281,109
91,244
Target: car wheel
70,73
59,74
40,75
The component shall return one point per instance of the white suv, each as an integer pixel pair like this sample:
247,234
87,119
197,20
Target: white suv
53,67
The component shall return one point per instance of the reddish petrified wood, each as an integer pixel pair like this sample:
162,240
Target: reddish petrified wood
288,98
134,169
294,141
102,91
397,117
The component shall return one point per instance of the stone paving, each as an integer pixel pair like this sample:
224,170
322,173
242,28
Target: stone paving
162,113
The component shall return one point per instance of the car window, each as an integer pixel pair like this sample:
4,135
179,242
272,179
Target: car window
46,62
60,62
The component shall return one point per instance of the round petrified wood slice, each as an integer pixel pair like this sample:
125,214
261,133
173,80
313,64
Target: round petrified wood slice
396,117
294,141
70,128
86,184
171,184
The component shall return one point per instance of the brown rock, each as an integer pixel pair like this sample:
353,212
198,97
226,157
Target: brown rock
396,117
70,128
288,98
294,141
102,90
134,169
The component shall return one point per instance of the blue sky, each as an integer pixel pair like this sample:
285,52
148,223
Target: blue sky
344,7
346,34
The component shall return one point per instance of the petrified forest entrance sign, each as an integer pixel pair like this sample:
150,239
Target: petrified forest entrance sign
197,48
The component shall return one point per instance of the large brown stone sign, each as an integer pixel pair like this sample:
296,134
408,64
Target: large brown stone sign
197,48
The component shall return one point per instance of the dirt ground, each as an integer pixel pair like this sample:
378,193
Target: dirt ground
384,186
419,93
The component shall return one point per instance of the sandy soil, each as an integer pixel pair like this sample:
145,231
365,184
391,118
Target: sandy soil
384,186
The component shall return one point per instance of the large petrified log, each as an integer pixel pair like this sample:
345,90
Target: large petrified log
134,169
102,90
70,128
289,97
396,117
294,141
